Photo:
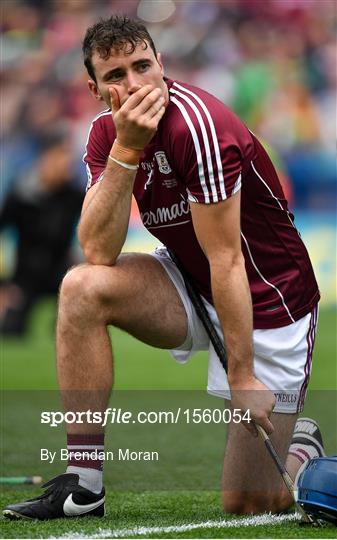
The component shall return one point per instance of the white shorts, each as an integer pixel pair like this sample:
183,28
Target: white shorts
282,356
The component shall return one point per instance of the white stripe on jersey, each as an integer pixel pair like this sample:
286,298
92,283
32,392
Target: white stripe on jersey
272,194
205,138
89,175
103,113
268,282
237,185
191,197
196,146
214,136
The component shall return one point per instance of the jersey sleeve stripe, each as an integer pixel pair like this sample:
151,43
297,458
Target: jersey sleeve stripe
214,136
89,175
237,185
266,281
196,146
191,197
205,139
87,166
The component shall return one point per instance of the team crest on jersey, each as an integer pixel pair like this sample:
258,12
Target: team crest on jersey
163,164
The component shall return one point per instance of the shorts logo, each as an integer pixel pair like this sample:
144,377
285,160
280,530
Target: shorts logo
163,164
284,397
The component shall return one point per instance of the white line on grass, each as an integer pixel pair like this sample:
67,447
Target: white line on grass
255,521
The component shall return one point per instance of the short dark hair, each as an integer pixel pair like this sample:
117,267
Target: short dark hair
117,32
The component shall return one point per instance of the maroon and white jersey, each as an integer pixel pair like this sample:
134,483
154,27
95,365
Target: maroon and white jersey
203,153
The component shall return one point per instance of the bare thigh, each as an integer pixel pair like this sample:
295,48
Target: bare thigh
136,295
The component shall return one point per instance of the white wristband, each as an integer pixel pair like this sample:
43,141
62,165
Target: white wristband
125,165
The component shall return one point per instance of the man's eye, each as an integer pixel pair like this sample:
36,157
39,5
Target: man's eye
115,76
143,67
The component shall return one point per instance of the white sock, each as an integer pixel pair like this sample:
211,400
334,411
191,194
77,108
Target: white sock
91,479
303,452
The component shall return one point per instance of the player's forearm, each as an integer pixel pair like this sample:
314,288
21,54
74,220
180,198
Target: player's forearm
234,307
104,223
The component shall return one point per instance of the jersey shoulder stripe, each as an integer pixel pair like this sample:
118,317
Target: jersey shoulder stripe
205,139
192,129
215,141
201,126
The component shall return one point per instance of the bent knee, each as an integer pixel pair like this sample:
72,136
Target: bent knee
78,281
85,288
253,503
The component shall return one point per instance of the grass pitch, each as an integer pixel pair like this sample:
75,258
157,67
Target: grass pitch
161,515
134,509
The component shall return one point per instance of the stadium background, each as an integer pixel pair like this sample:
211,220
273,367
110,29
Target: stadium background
272,61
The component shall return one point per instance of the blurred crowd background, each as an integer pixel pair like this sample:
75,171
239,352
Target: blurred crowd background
272,61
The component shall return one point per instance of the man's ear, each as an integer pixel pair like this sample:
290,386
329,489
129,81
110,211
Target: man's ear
93,89
160,63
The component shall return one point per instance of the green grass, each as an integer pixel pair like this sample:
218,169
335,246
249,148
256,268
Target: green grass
156,509
185,489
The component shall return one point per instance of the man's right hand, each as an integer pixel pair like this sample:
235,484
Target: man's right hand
136,121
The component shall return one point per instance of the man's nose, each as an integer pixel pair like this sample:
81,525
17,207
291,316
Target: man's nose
133,84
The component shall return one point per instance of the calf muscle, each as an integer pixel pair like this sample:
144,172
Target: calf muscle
250,482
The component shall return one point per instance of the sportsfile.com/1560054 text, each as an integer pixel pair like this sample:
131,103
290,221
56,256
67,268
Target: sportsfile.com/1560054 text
119,416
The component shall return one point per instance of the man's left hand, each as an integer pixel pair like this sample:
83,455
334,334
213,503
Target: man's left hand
254,396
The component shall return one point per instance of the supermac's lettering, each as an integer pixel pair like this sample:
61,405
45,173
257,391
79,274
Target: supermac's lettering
165,214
